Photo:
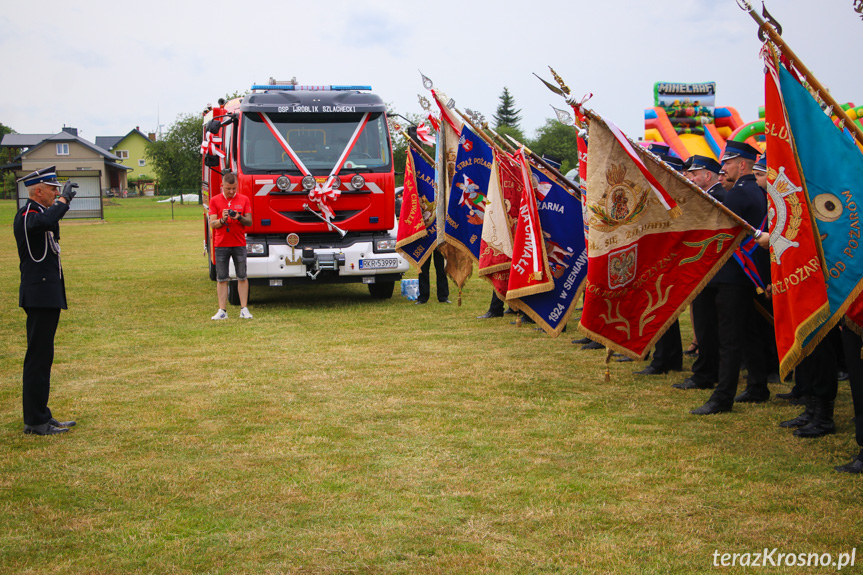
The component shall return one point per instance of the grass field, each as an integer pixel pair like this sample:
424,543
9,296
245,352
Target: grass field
338,434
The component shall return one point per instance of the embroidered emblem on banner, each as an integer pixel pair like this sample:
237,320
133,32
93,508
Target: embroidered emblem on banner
621,266
622,203
783,192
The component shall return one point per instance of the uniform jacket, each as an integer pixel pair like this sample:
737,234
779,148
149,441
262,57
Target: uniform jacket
42,284
749,202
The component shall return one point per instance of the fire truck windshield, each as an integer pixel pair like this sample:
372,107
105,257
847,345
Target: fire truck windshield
317,140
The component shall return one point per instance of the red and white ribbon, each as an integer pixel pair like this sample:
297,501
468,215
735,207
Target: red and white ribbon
425,135
664,197
323,193
210,145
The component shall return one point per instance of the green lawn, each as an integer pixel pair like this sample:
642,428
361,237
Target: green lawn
338,434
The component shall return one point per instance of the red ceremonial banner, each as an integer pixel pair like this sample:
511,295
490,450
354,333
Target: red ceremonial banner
411,224
529,273
644,265
800,303
499,226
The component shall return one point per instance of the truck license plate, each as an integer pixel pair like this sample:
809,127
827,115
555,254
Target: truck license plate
379,264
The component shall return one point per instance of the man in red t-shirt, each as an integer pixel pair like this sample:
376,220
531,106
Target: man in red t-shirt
230,214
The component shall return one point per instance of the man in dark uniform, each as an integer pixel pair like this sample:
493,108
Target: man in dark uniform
703,171
735,292
852,343
42,293
440,275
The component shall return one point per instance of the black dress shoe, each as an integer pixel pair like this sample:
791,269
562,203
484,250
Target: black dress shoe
799,421
650,370
842,376
56,423
44,429
443,301
773,378
691,350
690,383
855,467
788,395
593,345
750,396
624,359
509,311
710,408
581,341
420,302
489,315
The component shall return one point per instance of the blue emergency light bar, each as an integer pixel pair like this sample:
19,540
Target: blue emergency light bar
291,87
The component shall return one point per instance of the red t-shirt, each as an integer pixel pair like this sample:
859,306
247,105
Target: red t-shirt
233,233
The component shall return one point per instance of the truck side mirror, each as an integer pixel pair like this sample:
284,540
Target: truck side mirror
213,126
211,161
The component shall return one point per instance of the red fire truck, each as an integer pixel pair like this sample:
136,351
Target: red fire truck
316,163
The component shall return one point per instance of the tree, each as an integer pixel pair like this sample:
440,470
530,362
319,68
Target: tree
506,114
177,157
8,186
559,140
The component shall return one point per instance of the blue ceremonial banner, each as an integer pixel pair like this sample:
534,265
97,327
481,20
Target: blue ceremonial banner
560,215
832,167
417,234
467,198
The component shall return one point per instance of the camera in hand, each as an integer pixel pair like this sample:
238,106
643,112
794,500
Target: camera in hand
233,214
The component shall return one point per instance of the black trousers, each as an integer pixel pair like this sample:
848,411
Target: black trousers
41,328
705,368
668,353
440,278
496,305
816,374
734,311
851,342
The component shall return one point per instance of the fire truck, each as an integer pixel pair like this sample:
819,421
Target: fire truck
316,163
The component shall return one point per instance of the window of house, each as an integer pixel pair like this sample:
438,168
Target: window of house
122,154
142,163
62,149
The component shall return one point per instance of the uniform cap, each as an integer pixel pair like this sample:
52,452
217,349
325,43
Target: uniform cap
43,176
735,149
696,162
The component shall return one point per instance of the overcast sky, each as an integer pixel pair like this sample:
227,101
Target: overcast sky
107,67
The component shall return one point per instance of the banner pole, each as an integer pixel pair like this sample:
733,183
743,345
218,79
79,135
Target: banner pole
821,91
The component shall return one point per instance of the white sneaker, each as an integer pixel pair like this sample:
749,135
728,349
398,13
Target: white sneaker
221,314
245,314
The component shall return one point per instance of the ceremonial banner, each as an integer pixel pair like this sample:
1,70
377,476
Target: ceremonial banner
529,273
800,303
459,265
417,232
644,265
832,170
498,228
466,208
559,211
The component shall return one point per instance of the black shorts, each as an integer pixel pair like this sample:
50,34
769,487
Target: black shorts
223,256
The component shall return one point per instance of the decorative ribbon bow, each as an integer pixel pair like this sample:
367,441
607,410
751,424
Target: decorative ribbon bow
210,145
323,194
424,134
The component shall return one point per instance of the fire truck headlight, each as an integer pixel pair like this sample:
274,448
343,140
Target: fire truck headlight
283,183
388,244
309,183
337,182
357,182
256,249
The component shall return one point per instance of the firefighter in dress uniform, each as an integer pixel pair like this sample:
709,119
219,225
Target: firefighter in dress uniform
735,292
42,293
